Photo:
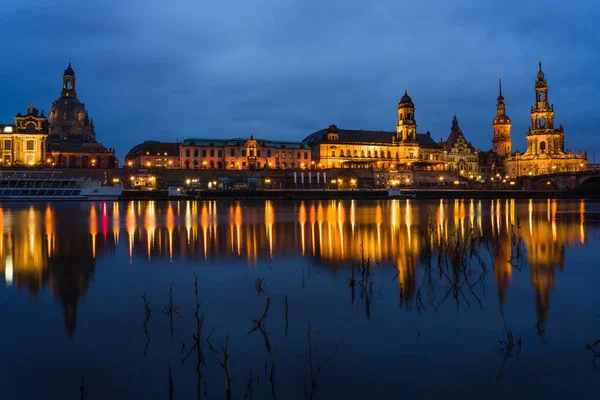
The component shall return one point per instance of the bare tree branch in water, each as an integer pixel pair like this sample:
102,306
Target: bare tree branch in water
248,395
171,310
313,368
82,390
272,374
259,325
362,275
147,312
594,348
224,363
171,388
508,344
260,285
540,328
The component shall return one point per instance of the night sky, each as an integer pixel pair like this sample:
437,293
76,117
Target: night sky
282,69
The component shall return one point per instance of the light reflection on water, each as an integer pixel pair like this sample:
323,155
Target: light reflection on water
59,247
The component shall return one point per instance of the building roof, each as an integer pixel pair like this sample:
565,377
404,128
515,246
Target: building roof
354,136
89,148
208,142
153,147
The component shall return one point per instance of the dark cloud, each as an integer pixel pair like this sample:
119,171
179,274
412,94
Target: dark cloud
283,69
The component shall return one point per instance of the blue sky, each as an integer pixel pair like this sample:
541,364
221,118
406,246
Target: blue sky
166,70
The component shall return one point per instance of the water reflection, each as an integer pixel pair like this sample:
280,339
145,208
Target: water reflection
41,245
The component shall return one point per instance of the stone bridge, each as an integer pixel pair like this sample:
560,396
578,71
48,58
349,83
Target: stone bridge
584,180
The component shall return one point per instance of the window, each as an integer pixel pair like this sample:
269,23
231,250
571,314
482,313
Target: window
306,155
269,153
257,153
332,153
542,123
341,153
203,153
542,147
220,154
7,145
195,163
187,152
389,154
244,164
283,154
30,145
290,155
212,152
244,153
195,152
276,154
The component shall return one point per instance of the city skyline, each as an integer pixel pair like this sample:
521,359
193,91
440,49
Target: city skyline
139,87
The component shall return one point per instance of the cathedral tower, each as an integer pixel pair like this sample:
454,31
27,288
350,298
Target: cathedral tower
406,129
542,137
502,141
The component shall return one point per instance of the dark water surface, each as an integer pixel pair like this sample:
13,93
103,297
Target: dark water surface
489,299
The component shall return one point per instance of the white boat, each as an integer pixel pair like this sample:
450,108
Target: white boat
52,186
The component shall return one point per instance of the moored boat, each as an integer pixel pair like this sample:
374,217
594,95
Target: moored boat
53,186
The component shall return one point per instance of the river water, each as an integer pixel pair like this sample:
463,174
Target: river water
402,298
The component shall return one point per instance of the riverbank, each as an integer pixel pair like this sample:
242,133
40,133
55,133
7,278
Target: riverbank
358,194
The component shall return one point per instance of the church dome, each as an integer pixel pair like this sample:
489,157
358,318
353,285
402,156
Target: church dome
69,70
502,120
406,100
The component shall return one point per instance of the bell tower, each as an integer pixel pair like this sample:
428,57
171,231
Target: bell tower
68,89
543,137
502,142
406,129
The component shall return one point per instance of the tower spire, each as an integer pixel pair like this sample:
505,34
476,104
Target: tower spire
500,85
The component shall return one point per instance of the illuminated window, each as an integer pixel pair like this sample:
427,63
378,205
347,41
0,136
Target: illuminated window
7,145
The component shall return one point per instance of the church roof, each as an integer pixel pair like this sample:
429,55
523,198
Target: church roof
354,136
208,142
153,147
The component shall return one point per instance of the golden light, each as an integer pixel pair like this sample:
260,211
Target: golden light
151,178
530,173
129,163
333,181
456,182
267,181
170,162
548,183
353,181
554,167
441,178
512,182
48,161
131,178
503,180
148,164
30,163
204,163
188,181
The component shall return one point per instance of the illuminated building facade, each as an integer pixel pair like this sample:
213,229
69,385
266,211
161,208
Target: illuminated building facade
71,132
502,142
402,149
244,154
151,154
545,142
459,154
24,143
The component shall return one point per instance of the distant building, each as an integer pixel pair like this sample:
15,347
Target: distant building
24,143
243,153
71,132
545,152
402,149
459,154
502,141
152,154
